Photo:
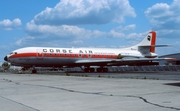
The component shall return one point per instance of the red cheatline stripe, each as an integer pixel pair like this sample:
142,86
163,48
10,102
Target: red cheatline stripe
62,55
23,55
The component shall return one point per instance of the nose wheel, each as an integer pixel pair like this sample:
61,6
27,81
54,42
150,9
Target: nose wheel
34,71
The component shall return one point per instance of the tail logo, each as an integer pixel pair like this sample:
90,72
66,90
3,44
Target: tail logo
149,37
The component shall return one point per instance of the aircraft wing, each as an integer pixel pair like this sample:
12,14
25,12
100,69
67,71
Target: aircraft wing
120,61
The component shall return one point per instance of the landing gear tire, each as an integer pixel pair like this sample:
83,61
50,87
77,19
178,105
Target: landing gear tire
102,69
86,70
105,69
34,71
99,69
89,70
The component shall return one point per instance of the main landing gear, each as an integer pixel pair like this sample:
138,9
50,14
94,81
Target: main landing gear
101,69
89,70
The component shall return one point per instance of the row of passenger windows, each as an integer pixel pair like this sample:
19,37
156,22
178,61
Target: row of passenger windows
76,55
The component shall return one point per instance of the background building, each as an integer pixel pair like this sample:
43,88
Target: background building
174,62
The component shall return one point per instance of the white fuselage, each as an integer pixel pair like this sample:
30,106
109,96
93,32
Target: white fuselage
58,57
46,56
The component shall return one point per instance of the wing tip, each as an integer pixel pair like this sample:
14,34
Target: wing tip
169,58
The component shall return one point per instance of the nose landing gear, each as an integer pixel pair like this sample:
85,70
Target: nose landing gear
34,71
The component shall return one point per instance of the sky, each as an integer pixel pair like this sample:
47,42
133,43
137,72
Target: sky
88,23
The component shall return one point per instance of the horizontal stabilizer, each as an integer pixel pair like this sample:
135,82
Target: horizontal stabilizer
154,45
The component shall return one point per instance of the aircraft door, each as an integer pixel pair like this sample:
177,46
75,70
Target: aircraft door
39,53
80,55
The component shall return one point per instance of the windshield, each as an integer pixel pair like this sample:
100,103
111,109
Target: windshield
13,53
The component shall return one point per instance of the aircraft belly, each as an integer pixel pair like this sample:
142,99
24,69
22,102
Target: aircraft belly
33,61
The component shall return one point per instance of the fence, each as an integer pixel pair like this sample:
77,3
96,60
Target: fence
144,68
134,68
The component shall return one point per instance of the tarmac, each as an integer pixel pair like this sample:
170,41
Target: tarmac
120,92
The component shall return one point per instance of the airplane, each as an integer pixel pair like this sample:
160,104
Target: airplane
78,57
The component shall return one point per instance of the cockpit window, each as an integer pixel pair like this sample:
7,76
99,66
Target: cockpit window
13,53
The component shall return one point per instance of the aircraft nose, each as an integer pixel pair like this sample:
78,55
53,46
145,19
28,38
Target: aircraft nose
6,58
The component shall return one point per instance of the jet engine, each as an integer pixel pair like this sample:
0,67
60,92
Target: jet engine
122,55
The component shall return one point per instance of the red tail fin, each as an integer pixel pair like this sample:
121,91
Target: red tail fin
153,41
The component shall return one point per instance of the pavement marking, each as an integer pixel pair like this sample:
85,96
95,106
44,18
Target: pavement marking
19,103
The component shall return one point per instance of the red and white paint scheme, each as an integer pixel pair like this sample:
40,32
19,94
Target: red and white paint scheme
87,57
